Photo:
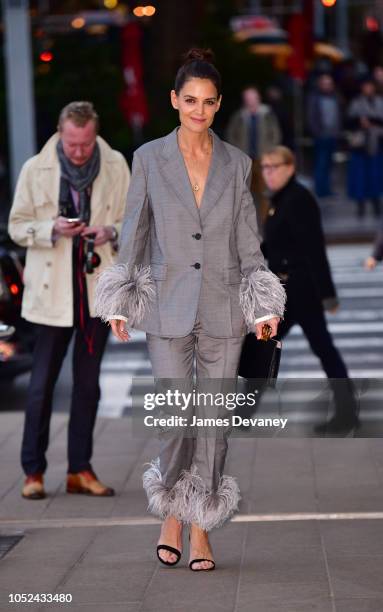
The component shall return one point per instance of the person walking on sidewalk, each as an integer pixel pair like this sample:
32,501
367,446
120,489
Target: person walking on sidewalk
295,251
365,138
324,122
254,128
67,210
189,236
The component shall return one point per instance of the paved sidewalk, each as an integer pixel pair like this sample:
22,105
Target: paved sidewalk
288,549
341,224
339,218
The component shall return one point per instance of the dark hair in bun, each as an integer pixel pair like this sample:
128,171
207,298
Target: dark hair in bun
198,63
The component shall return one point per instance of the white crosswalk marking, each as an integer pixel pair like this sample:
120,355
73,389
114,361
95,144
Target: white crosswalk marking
357,330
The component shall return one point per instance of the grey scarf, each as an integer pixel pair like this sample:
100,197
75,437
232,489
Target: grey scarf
79,177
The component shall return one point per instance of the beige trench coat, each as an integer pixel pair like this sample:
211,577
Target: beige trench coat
268,132
48,292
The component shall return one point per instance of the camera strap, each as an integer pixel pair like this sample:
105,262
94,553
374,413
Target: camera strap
84,317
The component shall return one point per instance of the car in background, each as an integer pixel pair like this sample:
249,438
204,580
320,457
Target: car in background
6,331
16,334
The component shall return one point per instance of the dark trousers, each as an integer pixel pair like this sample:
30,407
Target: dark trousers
50,349
323,152
304,308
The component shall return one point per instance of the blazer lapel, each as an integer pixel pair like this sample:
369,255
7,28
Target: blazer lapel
176,176
220,174
174,170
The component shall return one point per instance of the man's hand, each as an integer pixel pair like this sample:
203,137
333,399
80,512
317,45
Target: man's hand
62,227
102,233
119,329
273,324
370,263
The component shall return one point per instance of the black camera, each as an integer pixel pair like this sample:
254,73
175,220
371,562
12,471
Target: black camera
91,259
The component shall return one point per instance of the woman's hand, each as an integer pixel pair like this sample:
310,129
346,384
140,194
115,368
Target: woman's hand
119,329
333,310
273,324
370,263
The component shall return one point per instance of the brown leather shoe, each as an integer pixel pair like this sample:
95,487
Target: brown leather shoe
33,487
87,483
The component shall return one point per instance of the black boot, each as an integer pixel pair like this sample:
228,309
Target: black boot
346,410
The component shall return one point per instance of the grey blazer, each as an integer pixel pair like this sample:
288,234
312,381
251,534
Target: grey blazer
177,261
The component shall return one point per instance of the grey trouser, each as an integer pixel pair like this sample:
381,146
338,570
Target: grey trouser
187,479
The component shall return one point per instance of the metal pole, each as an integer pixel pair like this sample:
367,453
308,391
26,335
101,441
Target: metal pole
19,79
319,20
342,25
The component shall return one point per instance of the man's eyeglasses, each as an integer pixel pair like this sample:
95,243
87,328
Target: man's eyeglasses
272,167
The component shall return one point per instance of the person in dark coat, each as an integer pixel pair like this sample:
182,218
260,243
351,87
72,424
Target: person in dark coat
295,249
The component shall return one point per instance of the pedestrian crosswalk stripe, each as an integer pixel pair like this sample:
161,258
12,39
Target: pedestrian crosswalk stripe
357,329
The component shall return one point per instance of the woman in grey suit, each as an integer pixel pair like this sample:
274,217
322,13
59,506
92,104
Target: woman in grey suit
191,274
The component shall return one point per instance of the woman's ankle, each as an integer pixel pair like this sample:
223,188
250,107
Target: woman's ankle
198,532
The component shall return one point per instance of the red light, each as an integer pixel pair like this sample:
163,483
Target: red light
372,24
14,289
46,56
328,2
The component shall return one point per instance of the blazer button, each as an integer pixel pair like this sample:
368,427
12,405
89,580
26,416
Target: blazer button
197,236
197,266
46,286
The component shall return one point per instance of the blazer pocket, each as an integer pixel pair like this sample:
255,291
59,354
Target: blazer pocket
232,276
158,270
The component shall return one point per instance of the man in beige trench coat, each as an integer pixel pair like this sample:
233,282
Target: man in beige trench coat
67,211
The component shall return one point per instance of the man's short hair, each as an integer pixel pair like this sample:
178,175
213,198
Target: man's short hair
79,113
251,86
286,154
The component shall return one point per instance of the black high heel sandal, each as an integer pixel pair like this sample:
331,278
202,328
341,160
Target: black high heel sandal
201,569
170,549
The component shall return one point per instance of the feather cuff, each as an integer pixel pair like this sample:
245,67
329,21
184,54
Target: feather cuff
261,293
124,289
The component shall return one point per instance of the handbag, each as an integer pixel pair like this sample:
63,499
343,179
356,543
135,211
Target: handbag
260,359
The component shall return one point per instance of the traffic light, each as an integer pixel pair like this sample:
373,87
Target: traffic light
328,3
46,56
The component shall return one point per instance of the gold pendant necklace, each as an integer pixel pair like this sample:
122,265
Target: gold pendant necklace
195,185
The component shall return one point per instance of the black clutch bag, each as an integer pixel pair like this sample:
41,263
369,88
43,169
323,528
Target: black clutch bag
260,358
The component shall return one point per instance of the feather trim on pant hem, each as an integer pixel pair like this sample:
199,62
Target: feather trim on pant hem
189,500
